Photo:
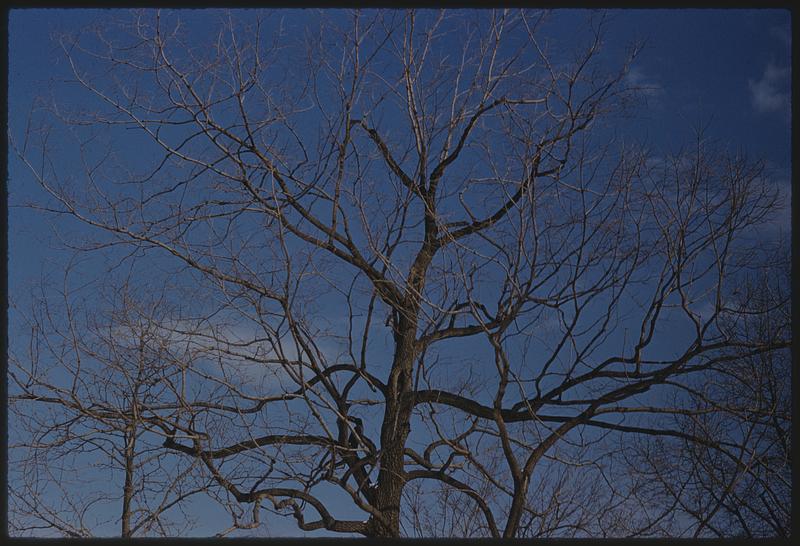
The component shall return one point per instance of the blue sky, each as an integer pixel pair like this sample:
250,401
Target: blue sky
727,69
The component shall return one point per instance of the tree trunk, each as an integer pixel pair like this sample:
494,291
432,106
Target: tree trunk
394,432
127,491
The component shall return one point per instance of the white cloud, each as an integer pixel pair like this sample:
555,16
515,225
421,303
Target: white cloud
782,33
771,92
220,349
638,80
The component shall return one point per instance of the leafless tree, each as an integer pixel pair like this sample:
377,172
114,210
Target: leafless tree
417,272
737,481
93,379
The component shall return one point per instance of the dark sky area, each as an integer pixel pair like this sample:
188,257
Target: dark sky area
727,69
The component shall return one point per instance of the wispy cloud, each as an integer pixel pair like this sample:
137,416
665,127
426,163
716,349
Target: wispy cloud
782,33
637,79
771,92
